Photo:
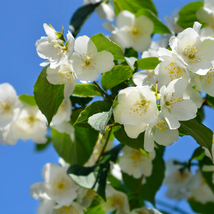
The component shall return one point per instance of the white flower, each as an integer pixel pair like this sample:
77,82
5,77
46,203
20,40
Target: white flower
87,62
85,196
172,22
57,186
133,31
9,102
174,106
136,107
205,82
177,180
196,53
135,163
200,191
145,210
160,133
30,124
53,49
170,68
63,74
115,200
104,10
145,77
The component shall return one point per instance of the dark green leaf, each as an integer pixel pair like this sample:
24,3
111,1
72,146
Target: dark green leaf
100,120
40,147
198,207
208,175
147,63
200,114
159,27
82,101
95,107
27,99
131,61
210,101
134,6
130,52
95,177
199,132
137,143
198,154
103,43
187,14
80,16
48,97
153,183
79,151
86,90
117,75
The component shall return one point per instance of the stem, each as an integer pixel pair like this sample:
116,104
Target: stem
104,147
103,91
137,190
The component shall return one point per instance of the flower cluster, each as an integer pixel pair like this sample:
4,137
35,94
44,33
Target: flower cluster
187,65
72,59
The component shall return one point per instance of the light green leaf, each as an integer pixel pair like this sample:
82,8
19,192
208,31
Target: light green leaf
48,97
187,14
202,134
131,61
147,63
80,16
79,151
86,90
134,6
117,75
95,107
27,99
159,27
100,120
95,177
137,143
103,43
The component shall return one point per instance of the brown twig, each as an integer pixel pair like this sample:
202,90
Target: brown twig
103,91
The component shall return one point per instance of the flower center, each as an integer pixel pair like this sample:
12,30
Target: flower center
208,77
161,125
117,202
87,61
135,31
31,119
190,51
6,108
67,210
59,184
65,73
175,72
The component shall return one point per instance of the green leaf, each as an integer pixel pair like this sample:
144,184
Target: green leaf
95,107
95,177
153,183
159,27
199,132
131,61
208,175
117,75
137,143
80,101
40,147
147,63
198,207
79,151
80,16
210,101
187,14
134,6
95,207
48,97
100,120
27,99
86,90
198,154
103,43
200,114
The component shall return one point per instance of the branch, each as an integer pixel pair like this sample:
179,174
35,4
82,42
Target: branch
103,91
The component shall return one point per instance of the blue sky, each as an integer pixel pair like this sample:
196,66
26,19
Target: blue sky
21,24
